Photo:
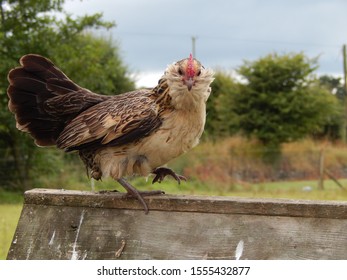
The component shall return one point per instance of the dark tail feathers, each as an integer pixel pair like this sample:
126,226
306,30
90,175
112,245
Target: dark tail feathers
44,100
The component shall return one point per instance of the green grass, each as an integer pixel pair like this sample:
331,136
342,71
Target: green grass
10,208
290,190
293,190
11,203
8,221
10,197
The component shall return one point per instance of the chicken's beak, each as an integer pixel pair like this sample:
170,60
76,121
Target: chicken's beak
189,83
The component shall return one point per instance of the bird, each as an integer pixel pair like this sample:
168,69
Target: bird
130,134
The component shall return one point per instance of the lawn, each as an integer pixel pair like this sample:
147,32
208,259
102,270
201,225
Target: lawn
8,220
11,204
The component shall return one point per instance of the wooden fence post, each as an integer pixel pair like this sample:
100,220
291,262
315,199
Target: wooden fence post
321,169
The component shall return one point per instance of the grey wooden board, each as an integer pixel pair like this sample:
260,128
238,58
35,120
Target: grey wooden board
65,225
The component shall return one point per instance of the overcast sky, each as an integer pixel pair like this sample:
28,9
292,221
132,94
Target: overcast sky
154,33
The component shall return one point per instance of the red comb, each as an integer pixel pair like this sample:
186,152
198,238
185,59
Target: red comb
190,67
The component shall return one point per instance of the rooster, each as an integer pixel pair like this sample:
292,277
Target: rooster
134,133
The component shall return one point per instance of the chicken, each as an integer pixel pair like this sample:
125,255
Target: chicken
134,133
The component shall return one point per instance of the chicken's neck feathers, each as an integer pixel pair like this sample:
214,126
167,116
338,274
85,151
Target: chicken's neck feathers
170,92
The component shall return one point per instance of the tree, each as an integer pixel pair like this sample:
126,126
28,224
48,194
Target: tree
220,120
280,101
93,62
32,26
334,85
336,128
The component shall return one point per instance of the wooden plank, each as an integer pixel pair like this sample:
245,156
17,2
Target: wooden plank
59,224
65,232
180,203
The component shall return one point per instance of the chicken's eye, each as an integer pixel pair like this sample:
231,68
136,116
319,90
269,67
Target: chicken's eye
180,72
199,72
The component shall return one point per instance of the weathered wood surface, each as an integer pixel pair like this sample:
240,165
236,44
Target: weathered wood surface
60,224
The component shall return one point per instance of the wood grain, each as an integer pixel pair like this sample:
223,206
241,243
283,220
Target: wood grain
57,224
181,203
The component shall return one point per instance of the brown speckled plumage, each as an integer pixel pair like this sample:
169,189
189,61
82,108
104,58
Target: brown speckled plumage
118,136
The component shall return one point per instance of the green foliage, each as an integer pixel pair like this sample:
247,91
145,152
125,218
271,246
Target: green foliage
334,85
275,99
281,101
94,63
42,27
335,129
220,120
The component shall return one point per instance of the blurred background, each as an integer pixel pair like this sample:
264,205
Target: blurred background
276,118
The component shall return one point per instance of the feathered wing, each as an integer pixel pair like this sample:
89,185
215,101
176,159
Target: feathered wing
44,99
56,111
120,120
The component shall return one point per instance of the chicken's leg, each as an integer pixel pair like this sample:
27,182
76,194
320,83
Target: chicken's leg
133,192
162,172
